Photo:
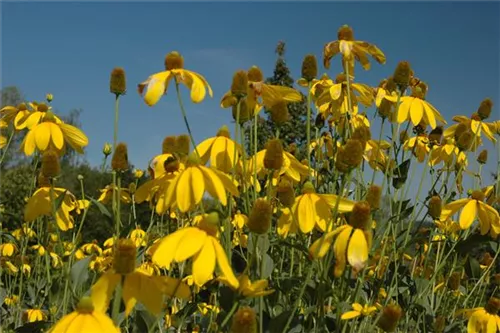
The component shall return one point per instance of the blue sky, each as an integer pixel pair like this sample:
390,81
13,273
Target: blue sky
69,49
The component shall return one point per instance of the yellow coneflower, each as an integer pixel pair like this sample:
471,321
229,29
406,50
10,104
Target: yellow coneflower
40,203
292,168
85,319
312,209
138,286
351,49
250,289
139,237
419,146
107,195
14,114
7,249
53,134
33,315
475,124
483,319
156,85
200,242
188,187
474,207
222,152
416,110
244,321
358,310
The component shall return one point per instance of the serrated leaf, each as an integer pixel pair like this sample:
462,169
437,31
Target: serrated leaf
268,266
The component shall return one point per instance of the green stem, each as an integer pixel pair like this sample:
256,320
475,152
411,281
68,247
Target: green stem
184,116
309,129
115,132
6,148
230,314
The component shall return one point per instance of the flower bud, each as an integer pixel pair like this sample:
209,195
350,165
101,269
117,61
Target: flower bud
459,130
484,110
436,135
361,215
119,161
285,193
374,196
309,67
402,75
454,281
385,108
80,178
483,157
273,158
244,115
363,134
493,306
182,144
51,166
239,86
439,324
107,149
345,33
244,321
279,113
391,314
168,145
349,156
435,207
174,60
118,83
465,140
124,256
49,97
85,306
260,217
224,132
255,74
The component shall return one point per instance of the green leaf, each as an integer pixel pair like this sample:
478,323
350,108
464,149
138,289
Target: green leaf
102,208
80,272
472,268
268,266
263,243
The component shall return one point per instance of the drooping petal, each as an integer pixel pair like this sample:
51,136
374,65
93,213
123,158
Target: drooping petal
154,87
223,264
190,244
42,135
453,207
214,185
74,137
204,263
468,214
357,252
340,250
416,110
103,289
164,252
350,314
304,213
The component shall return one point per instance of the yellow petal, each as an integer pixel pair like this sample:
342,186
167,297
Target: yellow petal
42,135
416,110
350,315
184,193
57,136
74,137
357,252
164,252
190,244
154,87
204,263
404,108
304,213
214,185
468,214
223,264
103,289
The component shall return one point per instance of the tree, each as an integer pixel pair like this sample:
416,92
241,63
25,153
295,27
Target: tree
292,131
12,96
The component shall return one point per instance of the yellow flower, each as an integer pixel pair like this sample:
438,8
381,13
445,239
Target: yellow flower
39,248
156,85
292,168
286,223
483,319
222,152
138,286
416,110
107,195
11,301
85,319
188,187
239,220
476,125
51,134
199,242
419,145
250,289
351,50
335,97
312,209
32,315
445,152
14,114
358,310
25,231
56,260
7,249
91,248
138,173
139,237
448,227
204,308
474,207
356,247
40,204
375,154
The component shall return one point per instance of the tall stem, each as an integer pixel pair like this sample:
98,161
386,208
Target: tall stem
309,129
184,116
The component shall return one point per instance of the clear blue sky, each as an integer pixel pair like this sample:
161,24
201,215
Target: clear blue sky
69,49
